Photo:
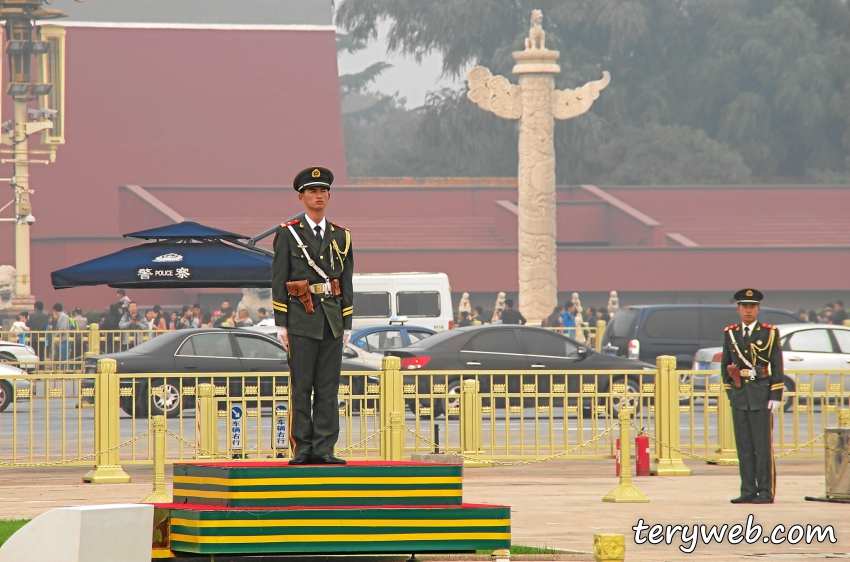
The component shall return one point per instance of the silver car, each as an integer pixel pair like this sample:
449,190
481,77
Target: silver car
18,354
813,348
8,373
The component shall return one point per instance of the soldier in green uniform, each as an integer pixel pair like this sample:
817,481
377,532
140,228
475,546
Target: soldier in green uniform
752,373
313,306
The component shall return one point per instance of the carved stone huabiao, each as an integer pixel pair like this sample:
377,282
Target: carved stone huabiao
537,104
7,285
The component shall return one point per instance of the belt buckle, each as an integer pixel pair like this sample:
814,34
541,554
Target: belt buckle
752,374
327,288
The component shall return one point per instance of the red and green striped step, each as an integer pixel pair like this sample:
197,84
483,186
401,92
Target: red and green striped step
388,529
363,483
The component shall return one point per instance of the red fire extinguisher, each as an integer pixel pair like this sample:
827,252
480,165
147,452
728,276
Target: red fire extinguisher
642,449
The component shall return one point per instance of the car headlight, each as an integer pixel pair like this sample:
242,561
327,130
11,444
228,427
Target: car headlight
31,350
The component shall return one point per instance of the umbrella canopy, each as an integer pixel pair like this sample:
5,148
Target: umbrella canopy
185,229
170,264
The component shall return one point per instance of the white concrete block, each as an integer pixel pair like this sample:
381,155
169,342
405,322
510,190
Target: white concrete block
96,533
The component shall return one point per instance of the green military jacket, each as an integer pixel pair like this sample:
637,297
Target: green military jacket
761,348
335,257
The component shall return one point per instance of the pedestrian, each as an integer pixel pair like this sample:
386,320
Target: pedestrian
175,319
20,326
62,325
803,315
826,317
160,324
814,317
477,315
497,317
197,314
243,320
206,321
568,320
187,320
134,321
261,314
511,316
463,319
751,366
123,300
82,321
313,301
38,325
553,320
839,315
226,319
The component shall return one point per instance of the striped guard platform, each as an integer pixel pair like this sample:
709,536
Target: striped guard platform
203,529
276,484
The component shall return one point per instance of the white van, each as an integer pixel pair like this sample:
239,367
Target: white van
424,298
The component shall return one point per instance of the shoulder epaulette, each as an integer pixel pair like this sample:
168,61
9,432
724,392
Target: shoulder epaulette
338,225
732,327
290,223
768,326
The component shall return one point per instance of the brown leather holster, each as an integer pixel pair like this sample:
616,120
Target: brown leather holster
765,371
335,290
301,290
735,372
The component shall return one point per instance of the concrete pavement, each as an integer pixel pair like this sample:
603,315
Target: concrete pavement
555,504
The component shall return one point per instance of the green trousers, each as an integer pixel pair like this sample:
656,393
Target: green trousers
314,367
754,441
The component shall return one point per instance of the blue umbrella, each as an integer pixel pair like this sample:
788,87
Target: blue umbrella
184,255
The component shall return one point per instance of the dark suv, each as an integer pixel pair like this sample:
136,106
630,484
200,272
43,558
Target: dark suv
645,332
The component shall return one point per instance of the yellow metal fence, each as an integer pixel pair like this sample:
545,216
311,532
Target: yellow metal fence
500,416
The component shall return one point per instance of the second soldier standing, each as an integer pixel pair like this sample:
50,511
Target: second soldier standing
313,305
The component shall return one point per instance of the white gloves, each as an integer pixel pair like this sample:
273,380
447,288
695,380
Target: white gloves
773,405
346,335
283,336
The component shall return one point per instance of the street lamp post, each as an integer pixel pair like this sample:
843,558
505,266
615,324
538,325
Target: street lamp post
24,42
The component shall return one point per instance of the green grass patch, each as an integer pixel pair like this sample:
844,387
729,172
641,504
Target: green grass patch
9,526
522,549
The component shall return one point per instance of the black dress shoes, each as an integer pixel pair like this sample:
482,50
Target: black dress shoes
762,499
300,458
742,499
327,459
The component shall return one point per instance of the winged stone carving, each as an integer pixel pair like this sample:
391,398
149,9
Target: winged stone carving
570,103
495,93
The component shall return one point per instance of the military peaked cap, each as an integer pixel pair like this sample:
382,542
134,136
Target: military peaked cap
749,296
313,177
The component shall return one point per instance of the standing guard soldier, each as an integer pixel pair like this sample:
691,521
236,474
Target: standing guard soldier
752,373
313,306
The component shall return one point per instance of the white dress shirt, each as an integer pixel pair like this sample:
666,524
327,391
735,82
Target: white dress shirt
323,224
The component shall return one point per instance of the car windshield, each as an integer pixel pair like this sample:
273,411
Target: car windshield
622,323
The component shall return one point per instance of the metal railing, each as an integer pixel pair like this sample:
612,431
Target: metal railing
586,334
498,416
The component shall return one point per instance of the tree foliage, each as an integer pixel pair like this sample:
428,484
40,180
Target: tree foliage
713,90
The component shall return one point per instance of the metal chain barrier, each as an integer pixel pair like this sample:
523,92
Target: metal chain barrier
516,463
713,459
354,446
198,448
78,459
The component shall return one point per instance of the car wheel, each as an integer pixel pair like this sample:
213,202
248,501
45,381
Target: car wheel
169,405
7,394
631,399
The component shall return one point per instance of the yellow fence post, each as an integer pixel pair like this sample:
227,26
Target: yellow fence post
94,340
727,453
107,468
396,437
600,331
159,493
207,410
609,548
470,423
625,491
668,461
392,401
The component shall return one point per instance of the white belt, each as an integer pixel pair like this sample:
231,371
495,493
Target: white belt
748,373
321,289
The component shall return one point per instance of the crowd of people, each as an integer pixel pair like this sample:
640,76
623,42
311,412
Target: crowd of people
831,313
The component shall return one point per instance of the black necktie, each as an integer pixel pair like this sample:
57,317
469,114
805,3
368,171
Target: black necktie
318,230
746,329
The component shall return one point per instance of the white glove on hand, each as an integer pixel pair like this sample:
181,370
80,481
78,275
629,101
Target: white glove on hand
346,335
773,406
283,336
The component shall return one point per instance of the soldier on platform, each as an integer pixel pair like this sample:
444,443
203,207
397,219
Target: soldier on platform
313,306
752,373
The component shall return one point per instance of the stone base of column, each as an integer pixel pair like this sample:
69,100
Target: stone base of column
670,467
107,474
625,493
725,457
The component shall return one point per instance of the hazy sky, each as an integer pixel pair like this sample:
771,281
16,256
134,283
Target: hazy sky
407,77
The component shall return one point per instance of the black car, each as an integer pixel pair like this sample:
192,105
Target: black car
510,348
645,332
204,350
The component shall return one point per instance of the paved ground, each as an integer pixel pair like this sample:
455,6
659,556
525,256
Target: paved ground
556,504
